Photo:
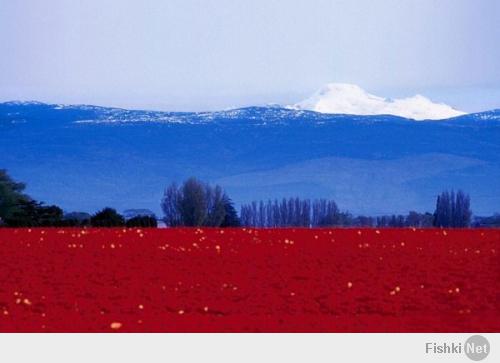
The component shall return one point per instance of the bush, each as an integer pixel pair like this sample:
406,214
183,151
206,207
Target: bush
76,219
142,221
108,217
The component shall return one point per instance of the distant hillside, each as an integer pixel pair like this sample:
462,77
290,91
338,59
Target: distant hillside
87,157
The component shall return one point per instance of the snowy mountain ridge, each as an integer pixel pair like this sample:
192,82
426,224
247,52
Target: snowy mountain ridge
15,112
344,98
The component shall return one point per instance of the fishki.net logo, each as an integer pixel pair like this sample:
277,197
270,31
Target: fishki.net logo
475,348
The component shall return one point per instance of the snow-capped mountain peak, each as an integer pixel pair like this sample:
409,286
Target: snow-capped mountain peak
343,98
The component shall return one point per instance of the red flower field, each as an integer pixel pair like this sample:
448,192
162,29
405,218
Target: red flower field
249,280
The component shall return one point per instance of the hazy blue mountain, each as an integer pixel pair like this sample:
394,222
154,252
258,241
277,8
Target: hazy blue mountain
86,157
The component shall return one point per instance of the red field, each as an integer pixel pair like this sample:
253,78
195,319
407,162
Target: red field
249,280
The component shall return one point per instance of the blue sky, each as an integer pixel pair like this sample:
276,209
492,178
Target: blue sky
212,54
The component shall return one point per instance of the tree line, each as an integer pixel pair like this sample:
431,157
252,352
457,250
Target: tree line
195,203
322,213
452,210
292,212
17,209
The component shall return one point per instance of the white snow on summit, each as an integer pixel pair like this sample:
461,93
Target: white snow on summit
342,98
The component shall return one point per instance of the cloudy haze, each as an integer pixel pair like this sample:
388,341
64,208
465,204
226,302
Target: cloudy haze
192,55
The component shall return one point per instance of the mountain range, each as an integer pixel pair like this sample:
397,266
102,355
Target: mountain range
84,158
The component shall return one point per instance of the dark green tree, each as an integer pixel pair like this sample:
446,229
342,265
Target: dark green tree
231,218
11,196
452,210
33,214
216,210
462,212
193,203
